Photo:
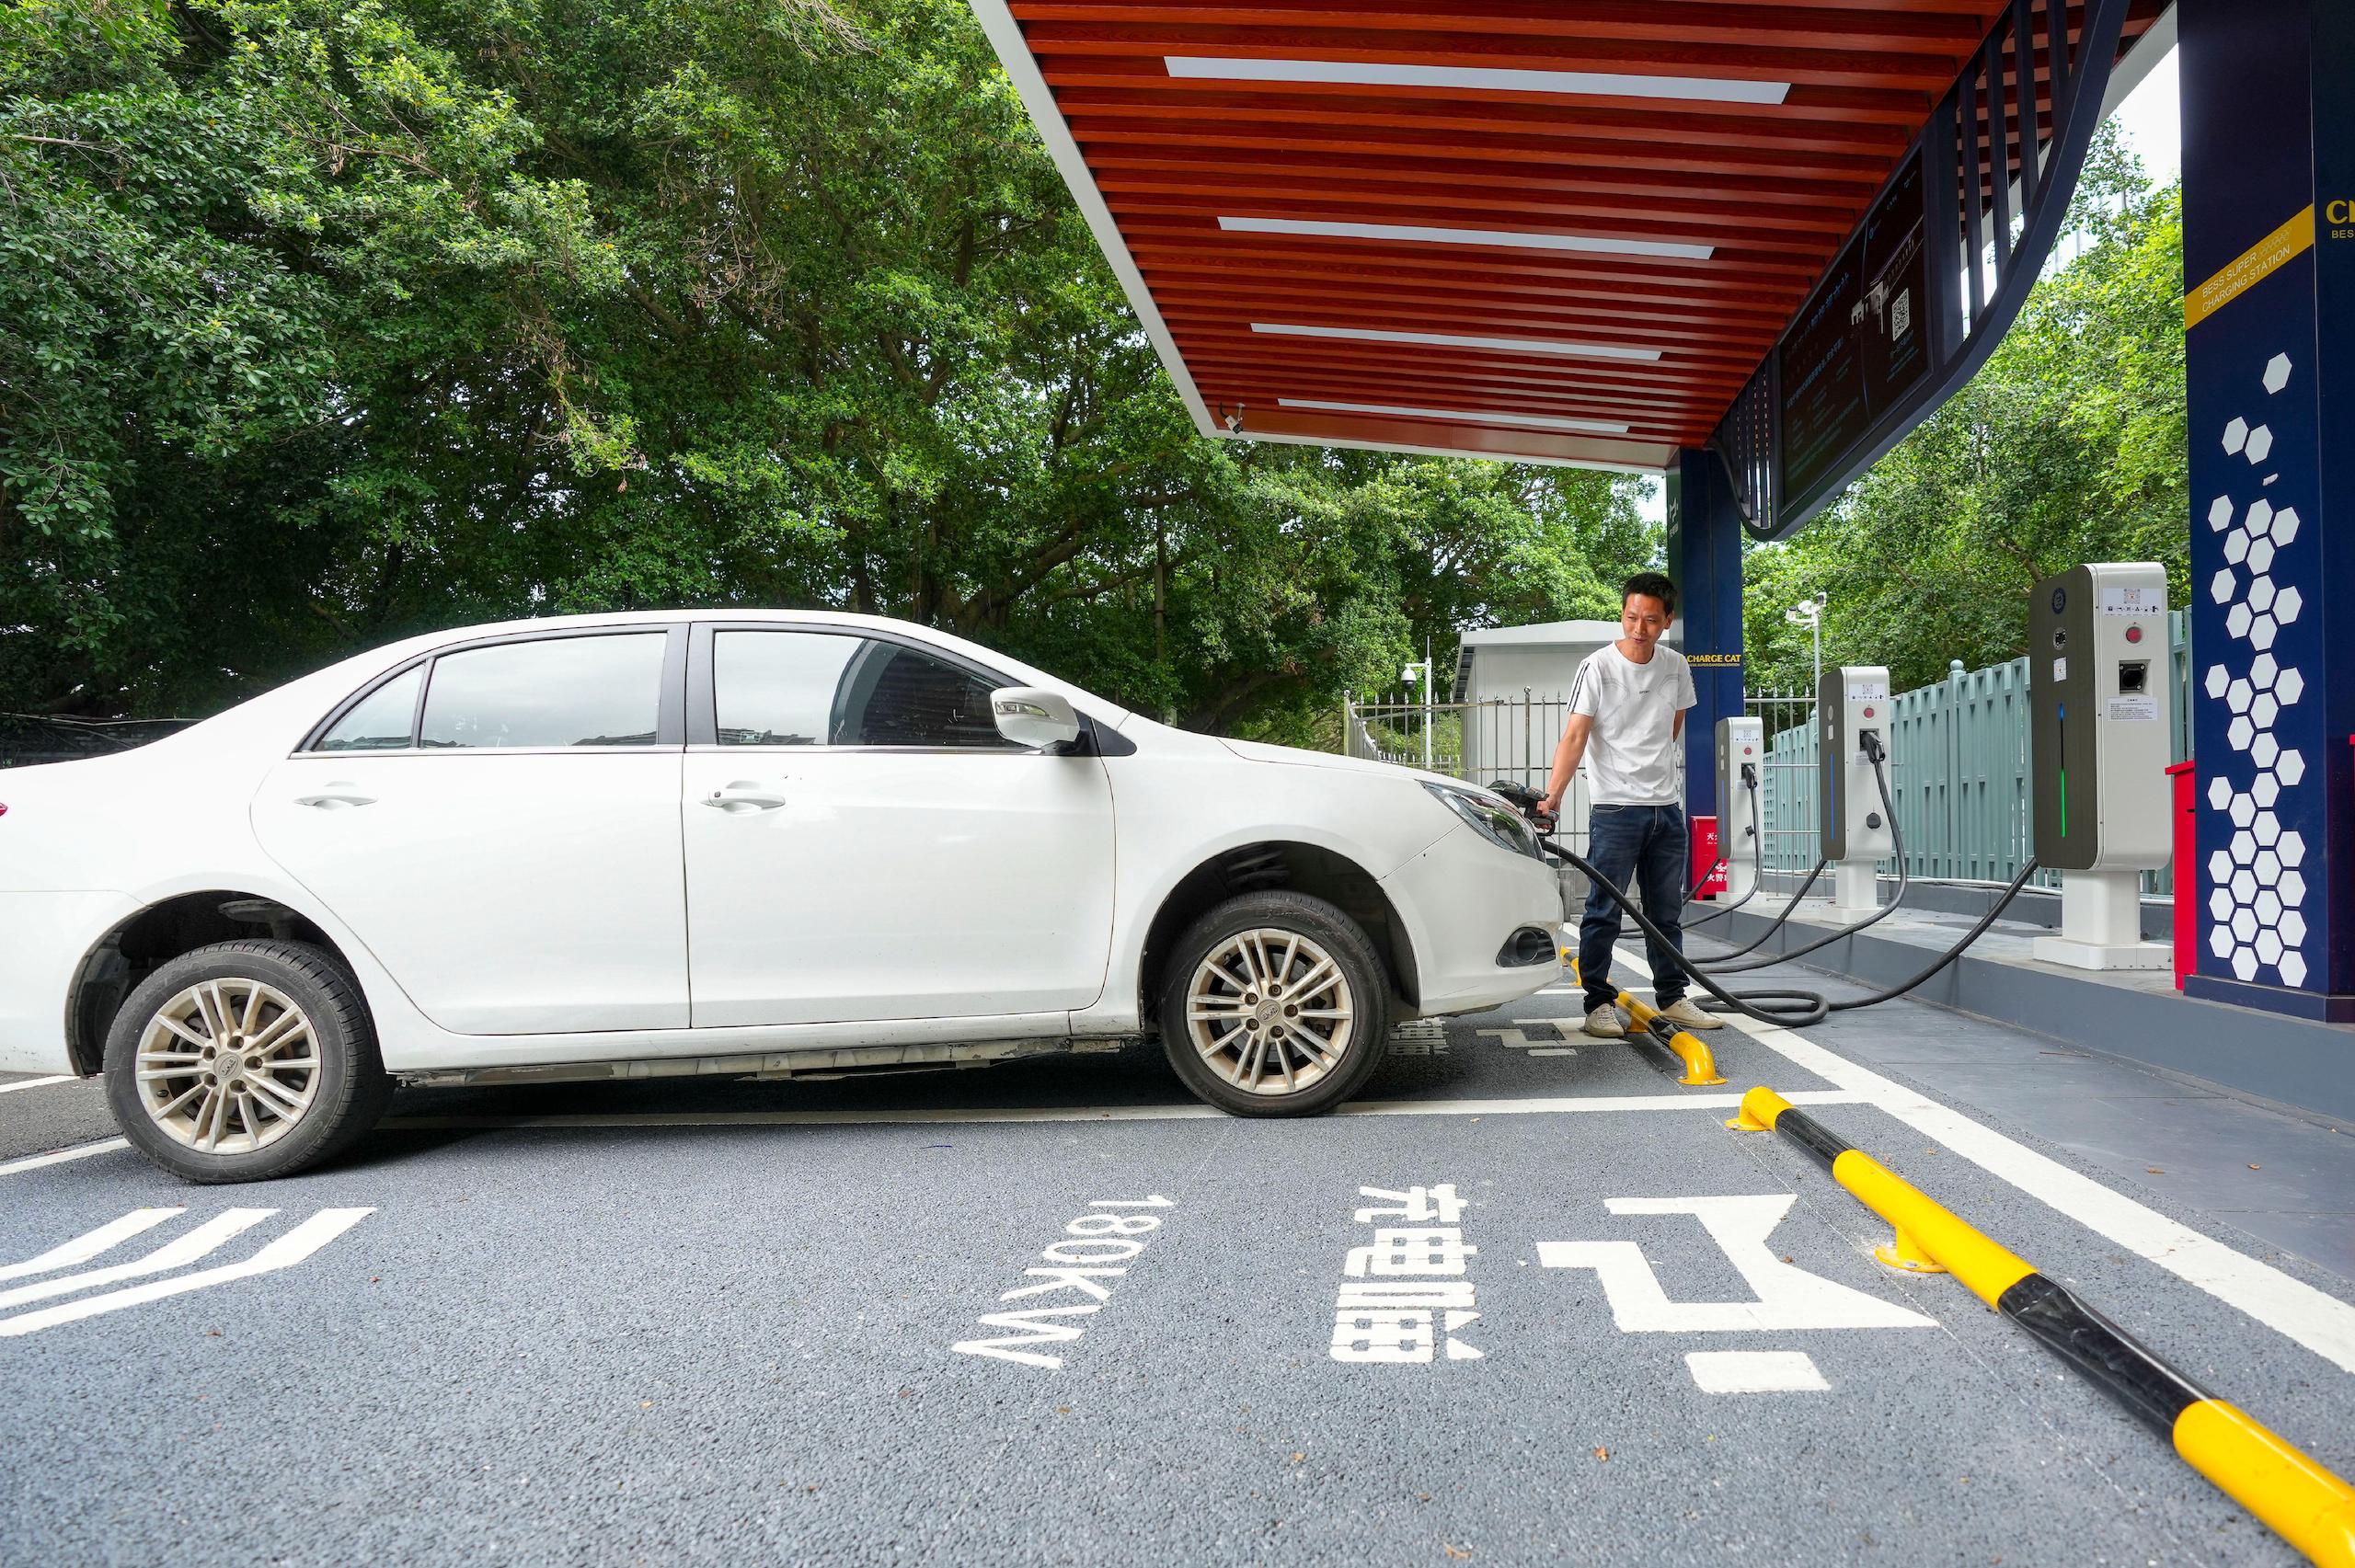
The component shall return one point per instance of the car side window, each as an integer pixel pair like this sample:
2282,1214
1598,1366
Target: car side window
820,689
384,720
548,693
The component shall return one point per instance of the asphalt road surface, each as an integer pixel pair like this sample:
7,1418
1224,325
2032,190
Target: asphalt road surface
1529,1301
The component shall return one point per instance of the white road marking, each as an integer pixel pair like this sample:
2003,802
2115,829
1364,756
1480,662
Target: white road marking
1754,1371
2319,1322
81,1151
1530,1107
284,1253
38,1082
1789,1298
206,1237
89,1244
1514,1038
1089,1243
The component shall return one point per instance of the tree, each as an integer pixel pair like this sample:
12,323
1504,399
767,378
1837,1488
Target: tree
321,324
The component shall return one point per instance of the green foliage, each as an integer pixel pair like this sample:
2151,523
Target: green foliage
2068,446
323,323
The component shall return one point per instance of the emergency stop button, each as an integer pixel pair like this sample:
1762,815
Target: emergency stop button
2134,634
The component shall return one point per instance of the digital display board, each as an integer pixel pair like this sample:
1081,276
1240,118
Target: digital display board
1858,344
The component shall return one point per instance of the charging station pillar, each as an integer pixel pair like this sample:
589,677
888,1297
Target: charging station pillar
2101,706
2269,254
1741,784
1705,562
1850,703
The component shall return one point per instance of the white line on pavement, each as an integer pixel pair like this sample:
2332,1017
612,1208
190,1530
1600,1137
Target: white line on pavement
79,1151
38,1082
284,1253
85,1247
214,1233
1754,1371
1540,1105
2314,1319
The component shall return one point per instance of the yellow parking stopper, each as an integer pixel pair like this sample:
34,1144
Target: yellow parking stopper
1905,1252
1700,1067
1759,1109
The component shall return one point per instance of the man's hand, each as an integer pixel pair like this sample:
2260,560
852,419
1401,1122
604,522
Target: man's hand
1566,757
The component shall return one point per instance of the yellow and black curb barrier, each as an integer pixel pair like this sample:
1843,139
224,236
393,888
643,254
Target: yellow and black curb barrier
1700,1067
2304,1504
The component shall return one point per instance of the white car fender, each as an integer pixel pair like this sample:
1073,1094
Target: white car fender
400,1026
1161,804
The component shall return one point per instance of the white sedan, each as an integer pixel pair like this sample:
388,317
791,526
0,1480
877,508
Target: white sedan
758,843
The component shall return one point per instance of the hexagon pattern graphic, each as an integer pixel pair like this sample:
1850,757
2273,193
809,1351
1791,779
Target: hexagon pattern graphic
2256,894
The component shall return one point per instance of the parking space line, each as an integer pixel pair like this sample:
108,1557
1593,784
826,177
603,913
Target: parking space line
1526,1106
85,1247
80,1151
38,1082
284,1253
2313,1318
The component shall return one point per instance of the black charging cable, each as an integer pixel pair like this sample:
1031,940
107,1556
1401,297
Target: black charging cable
1873,749
1789,1009
1786,1007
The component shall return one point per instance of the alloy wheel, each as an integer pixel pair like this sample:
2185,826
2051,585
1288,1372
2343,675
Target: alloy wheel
1270,1012
228,1065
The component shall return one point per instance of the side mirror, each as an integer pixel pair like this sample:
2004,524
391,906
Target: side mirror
1029,716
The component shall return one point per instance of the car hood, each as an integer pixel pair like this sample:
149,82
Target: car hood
1293,756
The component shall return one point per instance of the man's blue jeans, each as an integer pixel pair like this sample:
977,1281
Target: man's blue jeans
1642,850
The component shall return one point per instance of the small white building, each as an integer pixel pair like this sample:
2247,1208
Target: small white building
1501,663
1515,684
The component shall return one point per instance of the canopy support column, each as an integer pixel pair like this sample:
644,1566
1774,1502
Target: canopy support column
1705,562
2268,252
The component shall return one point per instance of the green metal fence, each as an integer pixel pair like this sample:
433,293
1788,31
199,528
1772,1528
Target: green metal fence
1962,767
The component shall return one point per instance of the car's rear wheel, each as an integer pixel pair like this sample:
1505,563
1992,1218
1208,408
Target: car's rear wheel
245,1060
1275,1004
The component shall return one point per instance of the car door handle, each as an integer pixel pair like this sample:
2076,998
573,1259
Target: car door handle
744,795
335,797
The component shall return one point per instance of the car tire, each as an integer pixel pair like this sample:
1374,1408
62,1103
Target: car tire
202,1067
1308,994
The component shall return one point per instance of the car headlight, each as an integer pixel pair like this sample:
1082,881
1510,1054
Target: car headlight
1489,817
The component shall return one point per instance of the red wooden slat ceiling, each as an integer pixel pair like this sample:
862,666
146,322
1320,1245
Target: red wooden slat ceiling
1772,187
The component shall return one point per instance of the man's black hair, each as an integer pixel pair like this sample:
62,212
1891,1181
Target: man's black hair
1652,584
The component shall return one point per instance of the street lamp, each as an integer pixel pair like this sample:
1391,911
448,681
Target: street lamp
1809,612
1411,674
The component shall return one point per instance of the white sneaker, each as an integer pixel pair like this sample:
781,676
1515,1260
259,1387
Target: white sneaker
1687,1014
1605,1024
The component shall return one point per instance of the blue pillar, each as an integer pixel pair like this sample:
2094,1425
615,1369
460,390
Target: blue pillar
1705,562
2269,134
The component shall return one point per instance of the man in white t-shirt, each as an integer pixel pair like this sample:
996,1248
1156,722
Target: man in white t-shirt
1627,706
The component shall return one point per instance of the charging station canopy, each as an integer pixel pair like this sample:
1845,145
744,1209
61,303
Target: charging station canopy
1593,232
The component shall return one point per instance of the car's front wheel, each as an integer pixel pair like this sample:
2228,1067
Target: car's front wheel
1275,1004
245,1060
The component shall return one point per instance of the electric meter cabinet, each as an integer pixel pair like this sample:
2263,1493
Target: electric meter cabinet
1741,784
2101,699
1853,707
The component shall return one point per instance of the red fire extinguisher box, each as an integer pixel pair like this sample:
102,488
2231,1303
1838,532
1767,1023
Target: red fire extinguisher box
2187,870
1705,855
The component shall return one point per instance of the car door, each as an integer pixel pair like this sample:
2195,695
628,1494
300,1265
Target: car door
499,823
862,845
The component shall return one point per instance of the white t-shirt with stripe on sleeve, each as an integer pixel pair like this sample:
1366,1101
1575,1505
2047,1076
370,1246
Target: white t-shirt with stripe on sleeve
1631,754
